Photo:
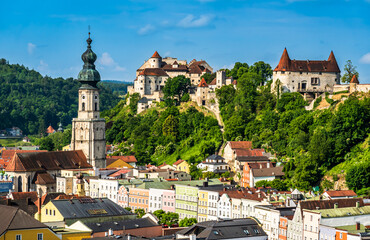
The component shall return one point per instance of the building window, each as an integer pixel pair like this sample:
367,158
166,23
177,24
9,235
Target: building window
18,237
315,81
40,236
341,235
83,106
96,106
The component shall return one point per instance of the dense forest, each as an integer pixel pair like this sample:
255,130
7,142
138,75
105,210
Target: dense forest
117,87
31,101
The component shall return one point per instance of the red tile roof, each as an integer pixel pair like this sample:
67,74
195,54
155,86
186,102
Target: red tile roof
169,67
240,144
153,72
41,161
286,64
178,162
341,193
249,152
354,79
203,83
7,155
242,194
119,172
268,172
196,67
50,129
327,204
213,82
24,195
156,55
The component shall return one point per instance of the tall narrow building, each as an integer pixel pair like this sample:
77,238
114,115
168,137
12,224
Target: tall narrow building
88,129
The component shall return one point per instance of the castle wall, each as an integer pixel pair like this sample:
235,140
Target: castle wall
295,81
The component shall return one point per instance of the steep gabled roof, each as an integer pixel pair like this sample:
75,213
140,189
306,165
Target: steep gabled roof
156,55
43,178
50,129
214,82
286,64
203,83
41,161
13,218
354,80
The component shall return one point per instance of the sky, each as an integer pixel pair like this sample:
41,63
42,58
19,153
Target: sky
49,36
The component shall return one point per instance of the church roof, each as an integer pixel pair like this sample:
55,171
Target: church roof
156,55
203,83
286,64
43,178
50,129
42,161
354,79
153,72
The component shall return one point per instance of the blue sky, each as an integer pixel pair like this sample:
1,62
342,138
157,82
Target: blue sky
49,36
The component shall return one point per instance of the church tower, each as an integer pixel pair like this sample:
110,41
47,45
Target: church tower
88,129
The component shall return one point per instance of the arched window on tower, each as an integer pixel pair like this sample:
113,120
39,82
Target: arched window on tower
96,106
83,106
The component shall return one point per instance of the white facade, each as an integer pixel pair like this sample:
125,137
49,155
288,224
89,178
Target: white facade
224,207
213,198
155,199
311,224
101,188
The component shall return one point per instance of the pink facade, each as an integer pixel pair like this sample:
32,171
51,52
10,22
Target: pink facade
122,196
168,201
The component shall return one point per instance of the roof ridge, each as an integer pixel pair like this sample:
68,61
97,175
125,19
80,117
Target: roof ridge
11,221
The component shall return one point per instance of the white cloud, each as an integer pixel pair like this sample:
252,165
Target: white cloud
43,67
191,21
31,48
107,61
146,29
365,59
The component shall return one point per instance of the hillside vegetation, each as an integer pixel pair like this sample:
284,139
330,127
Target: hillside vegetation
31,101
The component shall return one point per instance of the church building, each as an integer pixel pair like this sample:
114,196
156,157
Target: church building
88,129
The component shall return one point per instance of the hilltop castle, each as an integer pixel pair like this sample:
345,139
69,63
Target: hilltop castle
151,77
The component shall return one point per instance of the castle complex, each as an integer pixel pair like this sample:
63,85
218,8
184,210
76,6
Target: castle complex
88,129
312,77
152,75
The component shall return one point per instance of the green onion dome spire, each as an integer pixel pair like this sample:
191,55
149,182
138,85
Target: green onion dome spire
89,76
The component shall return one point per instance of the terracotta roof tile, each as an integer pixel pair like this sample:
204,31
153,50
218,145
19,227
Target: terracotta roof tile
43,179
24,195
341,193
7,155
156,55
119,172
50,129
240,144
213,82
286,64
178,162
354,79
203,83
41,161
326,204
153,72
169,67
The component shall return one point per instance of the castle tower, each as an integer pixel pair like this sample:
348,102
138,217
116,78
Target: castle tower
88,129
353,84
155,60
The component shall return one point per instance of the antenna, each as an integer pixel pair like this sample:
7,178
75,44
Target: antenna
89,30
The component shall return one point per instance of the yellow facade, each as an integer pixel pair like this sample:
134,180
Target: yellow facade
49,213
202,206
75,236
67,148
30,234
184,166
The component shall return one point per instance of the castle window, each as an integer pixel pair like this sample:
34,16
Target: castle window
83,96
83,106
315,81
96,97
96,106
282,72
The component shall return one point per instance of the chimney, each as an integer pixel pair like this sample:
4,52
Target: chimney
358,225
128,237
259,195
110,232
357,204
268,165
335,205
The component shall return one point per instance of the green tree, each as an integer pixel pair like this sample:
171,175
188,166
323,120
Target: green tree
139,212
171,126
46,143
358,176
134,99
168,218
208,77
263,69
175,88
187,222
349,71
